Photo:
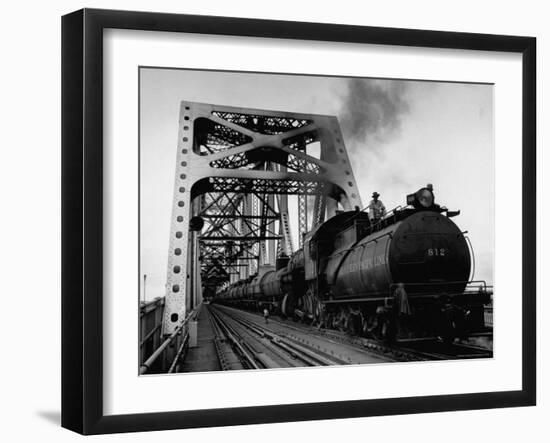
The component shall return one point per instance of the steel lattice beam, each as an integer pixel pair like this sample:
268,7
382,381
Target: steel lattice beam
231,162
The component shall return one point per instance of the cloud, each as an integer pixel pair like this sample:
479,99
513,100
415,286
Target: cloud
371,111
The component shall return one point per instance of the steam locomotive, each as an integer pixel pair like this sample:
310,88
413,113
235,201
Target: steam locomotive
400,277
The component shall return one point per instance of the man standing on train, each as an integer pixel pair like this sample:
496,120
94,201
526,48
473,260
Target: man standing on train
377,210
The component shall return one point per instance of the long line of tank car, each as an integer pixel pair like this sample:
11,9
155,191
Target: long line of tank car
347,274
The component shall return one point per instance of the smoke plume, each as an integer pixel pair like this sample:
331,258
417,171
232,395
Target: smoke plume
371,111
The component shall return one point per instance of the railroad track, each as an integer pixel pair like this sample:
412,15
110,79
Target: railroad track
307,348
414,350
411,350
253,347
433,349
258,347
230,353
309,356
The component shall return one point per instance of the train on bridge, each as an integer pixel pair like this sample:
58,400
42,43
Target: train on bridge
402,277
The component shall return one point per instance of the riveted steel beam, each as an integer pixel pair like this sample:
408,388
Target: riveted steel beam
233,161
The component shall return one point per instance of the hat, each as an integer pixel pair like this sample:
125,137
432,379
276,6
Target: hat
375,194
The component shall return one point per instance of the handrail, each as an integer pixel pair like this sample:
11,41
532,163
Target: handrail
388,214
149,335
151,360
179,353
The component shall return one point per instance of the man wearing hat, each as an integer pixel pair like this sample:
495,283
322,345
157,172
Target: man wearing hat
377,210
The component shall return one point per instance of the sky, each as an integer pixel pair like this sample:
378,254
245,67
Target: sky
399,134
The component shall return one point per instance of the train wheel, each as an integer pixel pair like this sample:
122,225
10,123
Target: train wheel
318,312
353,324
380,327
363,325
309,306
372,325
339,321
329,322
284,303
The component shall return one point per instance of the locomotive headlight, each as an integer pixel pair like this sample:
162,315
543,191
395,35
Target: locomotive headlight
425,197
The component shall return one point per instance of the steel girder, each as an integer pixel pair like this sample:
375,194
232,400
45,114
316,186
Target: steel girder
250,155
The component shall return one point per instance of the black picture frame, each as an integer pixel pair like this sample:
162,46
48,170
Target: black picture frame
82,215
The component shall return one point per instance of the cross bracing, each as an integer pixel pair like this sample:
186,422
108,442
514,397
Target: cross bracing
236,169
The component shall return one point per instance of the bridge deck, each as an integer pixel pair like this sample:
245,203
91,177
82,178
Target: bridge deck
202,358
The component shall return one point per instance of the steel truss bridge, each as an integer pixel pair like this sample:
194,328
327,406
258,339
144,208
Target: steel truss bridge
235,169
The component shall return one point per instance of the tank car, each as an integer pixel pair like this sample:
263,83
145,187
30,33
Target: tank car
404,276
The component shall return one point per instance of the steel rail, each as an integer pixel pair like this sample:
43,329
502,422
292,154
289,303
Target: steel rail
296,350
232,336
268,363
312,358
263,358
218,336
260,357
453,351
393,352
